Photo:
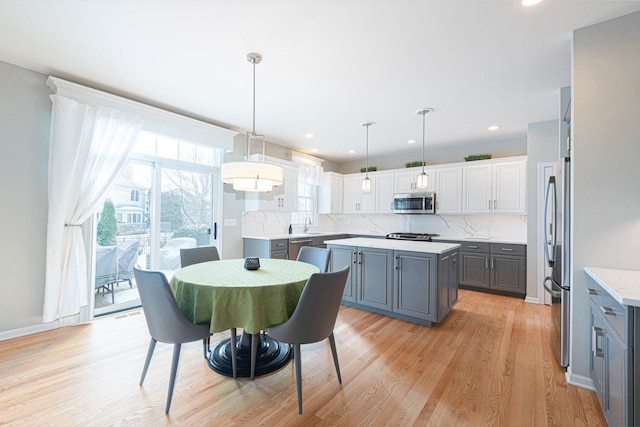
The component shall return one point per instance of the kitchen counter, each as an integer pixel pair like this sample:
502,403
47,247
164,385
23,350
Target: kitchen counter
294,235
622,285
506,240
398,245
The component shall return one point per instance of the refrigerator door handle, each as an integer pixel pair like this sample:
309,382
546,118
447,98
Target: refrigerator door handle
554,294
550,244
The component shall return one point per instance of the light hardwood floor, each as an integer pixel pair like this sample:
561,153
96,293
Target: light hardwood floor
488,364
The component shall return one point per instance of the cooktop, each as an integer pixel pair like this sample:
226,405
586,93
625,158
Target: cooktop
423,237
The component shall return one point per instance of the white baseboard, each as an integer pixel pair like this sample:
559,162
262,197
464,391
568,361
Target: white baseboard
532,300
580,381
28,330
41,327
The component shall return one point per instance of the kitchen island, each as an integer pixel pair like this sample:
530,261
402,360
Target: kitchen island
414,281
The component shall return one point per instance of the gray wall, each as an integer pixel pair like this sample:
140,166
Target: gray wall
542,146
25,116
441,155
606,135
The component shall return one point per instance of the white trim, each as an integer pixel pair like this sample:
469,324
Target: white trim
580,381
297,156
156,120
531,300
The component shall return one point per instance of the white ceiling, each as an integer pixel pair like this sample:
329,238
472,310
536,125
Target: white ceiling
328,65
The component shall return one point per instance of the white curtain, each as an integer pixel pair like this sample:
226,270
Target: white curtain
89,147
309,172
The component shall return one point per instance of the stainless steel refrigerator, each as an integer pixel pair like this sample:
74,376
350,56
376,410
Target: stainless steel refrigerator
557,253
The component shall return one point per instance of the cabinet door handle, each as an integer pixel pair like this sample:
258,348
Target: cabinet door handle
495,204
607,310
359,257
355,257
507,250
486,263
445,258
279,244
596,348
396,263
489,204
492,263
472,247
591,291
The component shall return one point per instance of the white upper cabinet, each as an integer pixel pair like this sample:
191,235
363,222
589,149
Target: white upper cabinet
384,192
498,187
477,185
282,198
330,194
354,199
405,181
510,187
449,190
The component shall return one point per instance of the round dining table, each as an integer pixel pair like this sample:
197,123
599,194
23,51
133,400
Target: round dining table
225,295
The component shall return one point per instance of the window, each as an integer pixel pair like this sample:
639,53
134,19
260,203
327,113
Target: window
309,175
135,196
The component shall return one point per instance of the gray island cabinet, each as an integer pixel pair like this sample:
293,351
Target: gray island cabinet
614,301
414,281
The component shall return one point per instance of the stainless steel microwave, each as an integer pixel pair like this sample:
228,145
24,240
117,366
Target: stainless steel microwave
414,203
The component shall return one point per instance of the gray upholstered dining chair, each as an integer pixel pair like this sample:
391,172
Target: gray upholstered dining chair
313,319
197,255
166,322
316,256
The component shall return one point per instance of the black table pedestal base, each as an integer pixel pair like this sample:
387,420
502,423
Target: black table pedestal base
272,355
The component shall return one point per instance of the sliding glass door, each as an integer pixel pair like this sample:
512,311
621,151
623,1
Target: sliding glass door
162,201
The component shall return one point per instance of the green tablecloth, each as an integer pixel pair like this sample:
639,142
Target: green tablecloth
225,295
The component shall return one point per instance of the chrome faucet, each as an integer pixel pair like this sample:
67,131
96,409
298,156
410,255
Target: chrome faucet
306,227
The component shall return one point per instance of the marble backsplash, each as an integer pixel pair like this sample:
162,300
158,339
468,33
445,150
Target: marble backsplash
511,227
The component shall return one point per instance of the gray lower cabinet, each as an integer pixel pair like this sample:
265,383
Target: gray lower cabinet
414,286
413,293
263,248
614,330
279,248
342,256
493,266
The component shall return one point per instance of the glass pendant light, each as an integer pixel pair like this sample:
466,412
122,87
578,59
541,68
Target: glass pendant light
422,180
248,175
366,182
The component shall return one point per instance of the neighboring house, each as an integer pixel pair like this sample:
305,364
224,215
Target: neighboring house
129,199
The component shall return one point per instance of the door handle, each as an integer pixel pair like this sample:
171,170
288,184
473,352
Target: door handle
591,291
607,310
554,294
472,247
507,250
596,348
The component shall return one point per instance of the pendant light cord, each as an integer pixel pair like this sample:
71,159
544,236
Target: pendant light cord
423,132
366,165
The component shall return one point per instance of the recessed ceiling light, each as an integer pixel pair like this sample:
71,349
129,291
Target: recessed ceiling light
315,150
530,2
352,151
309,135
411,141
494,127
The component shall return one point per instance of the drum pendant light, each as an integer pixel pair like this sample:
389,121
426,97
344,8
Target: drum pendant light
366,182
248,175
422,180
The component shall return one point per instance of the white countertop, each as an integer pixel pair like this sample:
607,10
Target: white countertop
294,235
622,285
506,240
398,245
